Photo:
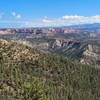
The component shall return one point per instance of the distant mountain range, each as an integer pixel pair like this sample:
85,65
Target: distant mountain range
39,31
94,28
94,25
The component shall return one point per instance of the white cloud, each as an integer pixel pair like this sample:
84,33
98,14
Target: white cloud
72,17
16,15
71,20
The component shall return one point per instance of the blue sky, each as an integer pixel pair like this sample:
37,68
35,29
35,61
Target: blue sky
30,13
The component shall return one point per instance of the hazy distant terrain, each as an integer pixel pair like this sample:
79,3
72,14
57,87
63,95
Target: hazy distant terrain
82,46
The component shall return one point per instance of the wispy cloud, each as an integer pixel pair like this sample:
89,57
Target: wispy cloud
62,21
71,20
46,20
72,17
16,15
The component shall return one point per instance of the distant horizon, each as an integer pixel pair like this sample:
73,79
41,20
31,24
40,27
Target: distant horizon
48,13
47,27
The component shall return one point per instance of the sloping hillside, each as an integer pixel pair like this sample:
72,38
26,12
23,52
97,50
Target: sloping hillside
28,74
84,51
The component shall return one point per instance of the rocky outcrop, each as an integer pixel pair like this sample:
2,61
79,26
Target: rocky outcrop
91,56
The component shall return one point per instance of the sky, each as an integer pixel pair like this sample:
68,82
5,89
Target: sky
39,13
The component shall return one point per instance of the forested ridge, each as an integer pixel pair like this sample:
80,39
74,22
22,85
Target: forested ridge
28,74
